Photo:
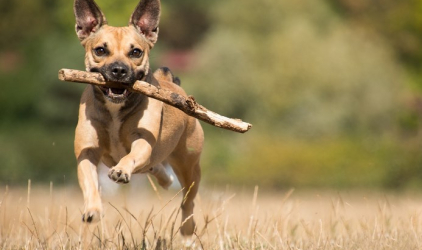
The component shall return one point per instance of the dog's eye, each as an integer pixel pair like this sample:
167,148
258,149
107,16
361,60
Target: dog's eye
135,53
100,51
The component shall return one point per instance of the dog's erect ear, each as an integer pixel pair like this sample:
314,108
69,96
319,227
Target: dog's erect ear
89,18
146,17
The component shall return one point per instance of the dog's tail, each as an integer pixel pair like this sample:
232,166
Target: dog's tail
166,74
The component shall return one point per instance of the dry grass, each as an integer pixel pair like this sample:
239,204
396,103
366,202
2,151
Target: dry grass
50,218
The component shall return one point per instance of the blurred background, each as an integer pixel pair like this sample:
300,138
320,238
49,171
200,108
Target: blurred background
333,88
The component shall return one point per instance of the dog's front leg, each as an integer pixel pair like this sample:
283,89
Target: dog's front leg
88,180
143,138
138,158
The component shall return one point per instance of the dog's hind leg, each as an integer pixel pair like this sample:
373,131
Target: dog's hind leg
189,178
163,178
185,163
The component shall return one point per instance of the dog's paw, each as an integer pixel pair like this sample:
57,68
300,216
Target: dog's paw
91,216
118,175
188,242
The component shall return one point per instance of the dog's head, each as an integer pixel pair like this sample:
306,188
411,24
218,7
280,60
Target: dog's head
120,54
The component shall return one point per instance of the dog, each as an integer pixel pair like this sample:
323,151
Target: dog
129,132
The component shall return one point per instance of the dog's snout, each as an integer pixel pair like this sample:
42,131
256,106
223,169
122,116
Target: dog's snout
119,71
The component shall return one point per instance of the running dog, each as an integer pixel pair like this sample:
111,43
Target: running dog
129,132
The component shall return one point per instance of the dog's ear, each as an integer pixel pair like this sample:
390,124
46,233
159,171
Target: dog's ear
89,18
146,18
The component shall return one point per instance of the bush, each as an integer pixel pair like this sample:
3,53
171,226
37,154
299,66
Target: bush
323,96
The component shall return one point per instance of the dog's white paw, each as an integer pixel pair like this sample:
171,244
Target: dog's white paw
118,175
188,241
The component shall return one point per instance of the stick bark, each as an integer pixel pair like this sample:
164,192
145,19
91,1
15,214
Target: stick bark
186,104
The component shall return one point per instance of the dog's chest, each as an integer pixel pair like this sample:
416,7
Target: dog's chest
116,148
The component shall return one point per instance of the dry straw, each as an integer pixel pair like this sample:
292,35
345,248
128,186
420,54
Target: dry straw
50,218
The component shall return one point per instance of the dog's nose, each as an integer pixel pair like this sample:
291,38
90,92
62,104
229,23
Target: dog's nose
119,71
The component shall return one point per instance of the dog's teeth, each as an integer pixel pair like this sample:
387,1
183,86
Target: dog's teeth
116,97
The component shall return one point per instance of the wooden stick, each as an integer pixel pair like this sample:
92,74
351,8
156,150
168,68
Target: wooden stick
185,104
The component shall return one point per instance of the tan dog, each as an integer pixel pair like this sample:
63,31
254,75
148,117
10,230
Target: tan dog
129,132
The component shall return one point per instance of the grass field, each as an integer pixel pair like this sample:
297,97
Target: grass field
141,218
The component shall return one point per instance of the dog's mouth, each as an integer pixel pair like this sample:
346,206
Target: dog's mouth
116,95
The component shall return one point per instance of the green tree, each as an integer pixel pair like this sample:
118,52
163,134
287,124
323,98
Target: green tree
303,77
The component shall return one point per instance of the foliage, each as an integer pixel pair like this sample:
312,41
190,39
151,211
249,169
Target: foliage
328,87
399,22
325,98
316,77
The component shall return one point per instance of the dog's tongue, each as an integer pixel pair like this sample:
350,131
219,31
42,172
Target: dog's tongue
117,91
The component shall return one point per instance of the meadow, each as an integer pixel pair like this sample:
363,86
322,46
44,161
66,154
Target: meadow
333,89
145,217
